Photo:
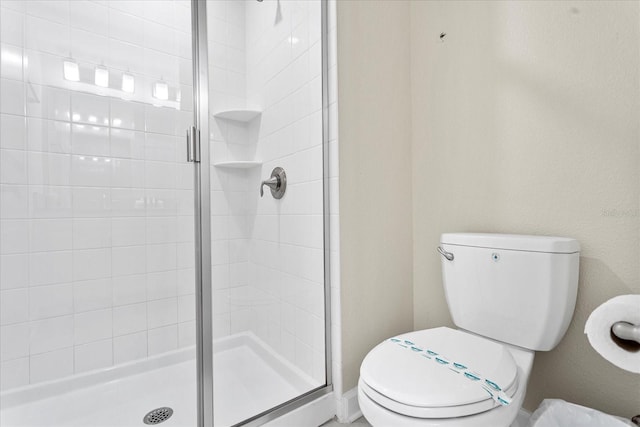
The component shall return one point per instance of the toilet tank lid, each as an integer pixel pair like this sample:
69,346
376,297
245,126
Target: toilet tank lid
517,242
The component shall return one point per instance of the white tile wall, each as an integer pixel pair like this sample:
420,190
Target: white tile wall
267,254
96,204
86,197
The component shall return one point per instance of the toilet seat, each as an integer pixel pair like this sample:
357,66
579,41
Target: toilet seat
430,412
397,376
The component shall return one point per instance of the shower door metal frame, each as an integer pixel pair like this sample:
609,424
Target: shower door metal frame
202,188
202,220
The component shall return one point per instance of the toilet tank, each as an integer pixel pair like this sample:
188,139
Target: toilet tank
516,289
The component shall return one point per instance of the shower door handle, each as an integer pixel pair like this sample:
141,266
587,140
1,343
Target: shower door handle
193,145
277,183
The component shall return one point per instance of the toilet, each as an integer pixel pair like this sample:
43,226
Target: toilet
509,296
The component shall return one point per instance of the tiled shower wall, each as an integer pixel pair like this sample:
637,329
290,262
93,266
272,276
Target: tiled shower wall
284,76
229,141
96,201
268,254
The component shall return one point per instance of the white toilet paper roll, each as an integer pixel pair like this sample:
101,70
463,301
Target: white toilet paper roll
623,308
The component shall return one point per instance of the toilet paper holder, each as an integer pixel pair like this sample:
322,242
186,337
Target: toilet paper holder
626,331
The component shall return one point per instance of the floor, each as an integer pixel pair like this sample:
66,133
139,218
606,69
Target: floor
249,380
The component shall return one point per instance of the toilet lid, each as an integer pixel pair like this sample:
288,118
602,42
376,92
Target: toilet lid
399,372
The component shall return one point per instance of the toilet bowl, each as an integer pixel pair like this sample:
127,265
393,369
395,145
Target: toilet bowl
509,296
447,400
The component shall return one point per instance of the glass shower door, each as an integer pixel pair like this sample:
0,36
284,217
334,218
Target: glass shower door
267,238
97,268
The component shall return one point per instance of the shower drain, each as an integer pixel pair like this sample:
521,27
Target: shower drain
158,416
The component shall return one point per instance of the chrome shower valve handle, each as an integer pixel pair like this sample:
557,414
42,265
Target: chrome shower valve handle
277,183
272,183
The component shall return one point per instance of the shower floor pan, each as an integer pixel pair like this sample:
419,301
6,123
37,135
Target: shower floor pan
250,378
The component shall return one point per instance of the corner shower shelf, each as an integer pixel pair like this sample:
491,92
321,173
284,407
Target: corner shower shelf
240,164
238,115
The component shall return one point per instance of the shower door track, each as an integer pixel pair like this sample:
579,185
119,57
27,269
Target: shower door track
202,220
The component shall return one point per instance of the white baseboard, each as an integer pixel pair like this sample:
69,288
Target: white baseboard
347,407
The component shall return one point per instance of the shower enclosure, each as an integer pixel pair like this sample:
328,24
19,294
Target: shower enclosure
144,278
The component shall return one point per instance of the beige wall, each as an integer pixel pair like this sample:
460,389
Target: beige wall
526,120
375,177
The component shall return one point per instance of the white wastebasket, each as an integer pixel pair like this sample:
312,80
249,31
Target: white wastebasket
558,413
